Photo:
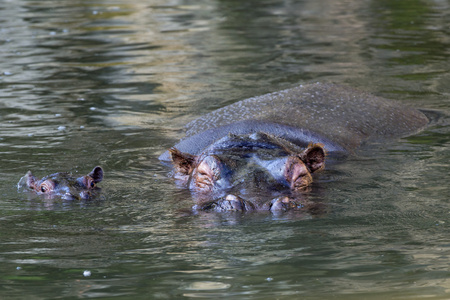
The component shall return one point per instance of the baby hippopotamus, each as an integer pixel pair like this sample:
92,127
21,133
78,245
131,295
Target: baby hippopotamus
259,153
64,185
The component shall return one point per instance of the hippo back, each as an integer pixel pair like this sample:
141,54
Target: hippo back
341,118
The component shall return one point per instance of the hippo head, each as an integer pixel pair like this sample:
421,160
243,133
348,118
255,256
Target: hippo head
248,172
65,186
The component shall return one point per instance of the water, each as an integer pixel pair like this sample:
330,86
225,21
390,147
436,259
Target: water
112,83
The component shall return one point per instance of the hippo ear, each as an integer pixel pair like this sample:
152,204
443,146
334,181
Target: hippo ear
183,162
97,174
314,157
31,180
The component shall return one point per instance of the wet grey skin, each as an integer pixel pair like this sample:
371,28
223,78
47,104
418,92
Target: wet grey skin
339,117
235,158
65,186
249,173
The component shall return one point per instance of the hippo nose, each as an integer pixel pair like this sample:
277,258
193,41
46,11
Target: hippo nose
85,195
236,203
68,196
231,197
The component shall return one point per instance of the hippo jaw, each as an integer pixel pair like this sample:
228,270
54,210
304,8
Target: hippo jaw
64,186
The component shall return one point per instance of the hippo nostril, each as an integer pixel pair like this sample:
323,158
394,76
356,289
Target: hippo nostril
233,202
283,204
85,195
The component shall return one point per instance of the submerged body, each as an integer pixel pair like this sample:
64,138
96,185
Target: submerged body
64,185
336,118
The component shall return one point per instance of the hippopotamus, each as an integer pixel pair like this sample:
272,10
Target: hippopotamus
261,153
64,185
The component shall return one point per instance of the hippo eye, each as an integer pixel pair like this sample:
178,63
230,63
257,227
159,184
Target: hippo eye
47,186
90,183
297,174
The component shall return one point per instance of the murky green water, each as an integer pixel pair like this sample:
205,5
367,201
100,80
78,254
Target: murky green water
111,83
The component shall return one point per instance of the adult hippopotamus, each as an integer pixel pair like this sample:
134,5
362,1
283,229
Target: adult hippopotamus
64,185
259,153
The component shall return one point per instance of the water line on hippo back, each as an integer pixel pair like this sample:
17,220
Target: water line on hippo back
340,117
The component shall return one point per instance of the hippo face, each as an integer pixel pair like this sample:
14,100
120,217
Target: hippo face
233,170
65,186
